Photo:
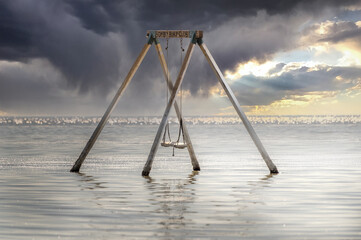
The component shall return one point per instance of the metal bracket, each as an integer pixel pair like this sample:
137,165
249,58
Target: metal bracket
152,38
195,38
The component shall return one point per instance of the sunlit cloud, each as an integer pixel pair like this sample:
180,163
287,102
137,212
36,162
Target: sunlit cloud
335,36
354,7
293,88
251,68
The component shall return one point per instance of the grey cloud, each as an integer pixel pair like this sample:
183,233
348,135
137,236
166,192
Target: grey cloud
252,90
277,68
335,32
26,88
342,36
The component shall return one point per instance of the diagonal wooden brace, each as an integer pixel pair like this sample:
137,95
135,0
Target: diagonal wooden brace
106,115
154,148
190,148
271,166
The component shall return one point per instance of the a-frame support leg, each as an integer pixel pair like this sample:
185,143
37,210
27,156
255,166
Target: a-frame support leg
190,148
153,150
236,105
106,115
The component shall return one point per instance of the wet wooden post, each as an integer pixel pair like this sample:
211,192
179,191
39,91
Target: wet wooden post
190,148
153,150
271,166
106,115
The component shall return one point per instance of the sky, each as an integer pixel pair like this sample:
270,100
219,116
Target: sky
65,58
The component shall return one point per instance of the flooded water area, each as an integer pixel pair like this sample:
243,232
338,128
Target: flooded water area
316,195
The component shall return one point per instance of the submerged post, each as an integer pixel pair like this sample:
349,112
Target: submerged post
106,115
271,166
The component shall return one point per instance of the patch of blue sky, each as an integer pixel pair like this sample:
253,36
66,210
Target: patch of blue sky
349,16
330,57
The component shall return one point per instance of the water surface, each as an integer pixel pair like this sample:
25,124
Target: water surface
316,195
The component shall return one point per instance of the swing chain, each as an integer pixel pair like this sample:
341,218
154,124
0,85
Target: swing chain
166,86
180,131
181,43
181,88
166,130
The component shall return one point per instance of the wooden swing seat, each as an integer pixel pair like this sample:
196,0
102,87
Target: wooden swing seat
180,145
167,144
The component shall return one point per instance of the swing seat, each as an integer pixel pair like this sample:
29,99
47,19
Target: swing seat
167,144
180,145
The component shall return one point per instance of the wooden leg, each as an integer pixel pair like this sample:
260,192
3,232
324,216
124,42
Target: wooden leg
153,150
106,115
190,148
236,105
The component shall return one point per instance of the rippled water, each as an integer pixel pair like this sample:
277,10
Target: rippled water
316,195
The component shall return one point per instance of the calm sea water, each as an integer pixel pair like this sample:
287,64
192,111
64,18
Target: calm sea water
316,195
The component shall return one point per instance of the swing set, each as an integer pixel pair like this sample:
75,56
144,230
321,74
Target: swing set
196,38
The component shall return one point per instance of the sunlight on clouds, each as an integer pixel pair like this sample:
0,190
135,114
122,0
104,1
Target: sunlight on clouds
324,46
351,55
355,7
325,28
356,89
292,66
334,36
217,91
267,69
251,68
310,103
315,103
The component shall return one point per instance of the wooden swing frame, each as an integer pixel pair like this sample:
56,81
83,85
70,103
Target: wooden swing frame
196,39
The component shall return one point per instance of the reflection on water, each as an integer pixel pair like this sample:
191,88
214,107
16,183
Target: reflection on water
88,182
172,198
263,182
317,194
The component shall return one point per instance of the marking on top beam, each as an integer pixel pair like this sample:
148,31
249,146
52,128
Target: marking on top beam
175,33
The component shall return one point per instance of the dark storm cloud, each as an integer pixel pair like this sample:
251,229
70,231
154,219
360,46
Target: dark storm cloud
92,43
253,90
44,29
107,15
19,83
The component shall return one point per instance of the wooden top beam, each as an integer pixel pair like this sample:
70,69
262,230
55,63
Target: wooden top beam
175,33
